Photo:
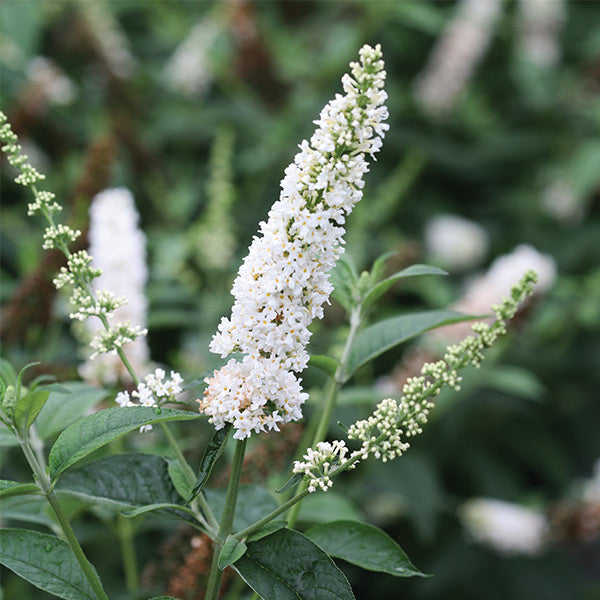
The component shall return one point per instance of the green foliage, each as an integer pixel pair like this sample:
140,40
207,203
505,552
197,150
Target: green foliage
254,502
126,479
363,545
388,333
46,561
233,550
212,452
27,409
66,403
94,431
14,488
287,565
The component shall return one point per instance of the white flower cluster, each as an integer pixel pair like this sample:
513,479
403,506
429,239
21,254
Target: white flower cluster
155,390
283,281
381,434
506,527
454,242
456,55
118,248
319,463
540,22
188,70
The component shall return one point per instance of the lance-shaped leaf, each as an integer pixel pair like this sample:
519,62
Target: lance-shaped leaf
45,561
212,452
92,432
232,551
67,402
327,364
126,479
15,488
27,409
383,286
287,566
344,280
266,530
363,545
381,336
172,508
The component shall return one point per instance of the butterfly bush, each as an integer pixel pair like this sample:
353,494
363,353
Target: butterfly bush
283,282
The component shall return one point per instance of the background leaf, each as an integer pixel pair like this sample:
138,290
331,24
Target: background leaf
67,403
254,502
92,432
45,561
363,545
287,566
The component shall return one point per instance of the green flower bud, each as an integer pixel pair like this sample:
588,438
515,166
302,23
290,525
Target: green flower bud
9,401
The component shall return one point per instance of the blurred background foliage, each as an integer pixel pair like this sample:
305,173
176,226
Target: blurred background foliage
197,108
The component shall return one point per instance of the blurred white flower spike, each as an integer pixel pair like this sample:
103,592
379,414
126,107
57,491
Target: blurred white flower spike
283,283
455,56
506,527
456,243
118,247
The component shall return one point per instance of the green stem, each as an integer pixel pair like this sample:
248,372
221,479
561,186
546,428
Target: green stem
214,579
69,534
130,566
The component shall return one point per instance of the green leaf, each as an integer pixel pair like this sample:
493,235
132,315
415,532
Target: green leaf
16,488
7,372
363,545
232,551
177,475
288,566
26,509
27,409
212,452
344,280
378,266
381,336
125,479
295,478
360,395
67,402
383,286
320,508
92,432
268,529
7,437
45,561
327,364
254,503
514,381
159,506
